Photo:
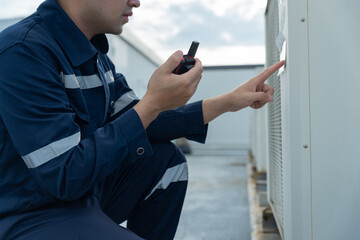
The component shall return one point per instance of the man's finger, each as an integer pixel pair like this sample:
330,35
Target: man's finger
268,72
268,89
257,105
172,62
261,97
195,72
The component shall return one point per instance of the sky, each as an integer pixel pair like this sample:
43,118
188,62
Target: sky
230,32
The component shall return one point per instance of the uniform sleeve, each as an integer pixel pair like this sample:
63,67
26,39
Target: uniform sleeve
186,121
36,112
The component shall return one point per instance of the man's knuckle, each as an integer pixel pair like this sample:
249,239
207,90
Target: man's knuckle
201,69
189,92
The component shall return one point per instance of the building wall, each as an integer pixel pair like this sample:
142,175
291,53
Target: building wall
132,63
4,23
231,130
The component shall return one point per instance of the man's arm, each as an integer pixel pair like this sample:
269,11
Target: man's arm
186,121
166,90
254,93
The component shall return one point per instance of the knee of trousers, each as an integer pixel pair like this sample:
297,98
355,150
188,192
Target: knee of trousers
167,153
176,169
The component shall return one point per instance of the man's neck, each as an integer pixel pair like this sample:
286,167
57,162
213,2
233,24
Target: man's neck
72,9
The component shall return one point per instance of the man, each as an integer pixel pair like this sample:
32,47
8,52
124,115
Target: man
79,153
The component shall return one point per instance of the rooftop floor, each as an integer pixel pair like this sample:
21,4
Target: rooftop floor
217,204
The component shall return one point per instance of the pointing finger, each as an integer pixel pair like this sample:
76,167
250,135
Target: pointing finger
268,72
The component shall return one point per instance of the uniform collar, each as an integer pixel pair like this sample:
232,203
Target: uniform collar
75,44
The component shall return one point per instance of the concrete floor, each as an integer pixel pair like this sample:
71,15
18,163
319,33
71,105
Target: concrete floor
216,206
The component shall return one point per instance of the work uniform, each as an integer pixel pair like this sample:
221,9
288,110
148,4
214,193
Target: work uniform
75,160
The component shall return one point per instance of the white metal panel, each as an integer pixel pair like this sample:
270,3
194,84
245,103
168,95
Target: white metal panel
298,166
293,209
334,44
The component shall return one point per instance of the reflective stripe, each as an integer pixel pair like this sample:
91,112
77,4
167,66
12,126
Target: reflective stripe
70,81
85,82
53,150
123,101
109,77
175,174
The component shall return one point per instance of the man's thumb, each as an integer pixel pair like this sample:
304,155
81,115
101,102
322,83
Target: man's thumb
262,97
173,61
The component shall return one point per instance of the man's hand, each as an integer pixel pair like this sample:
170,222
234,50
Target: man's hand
166,90
254,93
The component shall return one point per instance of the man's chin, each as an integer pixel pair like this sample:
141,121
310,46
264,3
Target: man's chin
116,31
119,31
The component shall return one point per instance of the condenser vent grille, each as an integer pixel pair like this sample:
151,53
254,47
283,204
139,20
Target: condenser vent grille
274,115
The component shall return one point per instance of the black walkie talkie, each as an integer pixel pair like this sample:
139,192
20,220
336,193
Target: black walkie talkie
188,60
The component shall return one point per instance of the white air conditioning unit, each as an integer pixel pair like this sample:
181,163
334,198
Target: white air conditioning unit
314,122
259,139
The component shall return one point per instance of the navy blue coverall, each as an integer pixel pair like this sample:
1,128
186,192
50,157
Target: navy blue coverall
75,160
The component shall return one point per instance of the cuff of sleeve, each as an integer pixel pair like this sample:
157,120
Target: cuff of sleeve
134,134
194,122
